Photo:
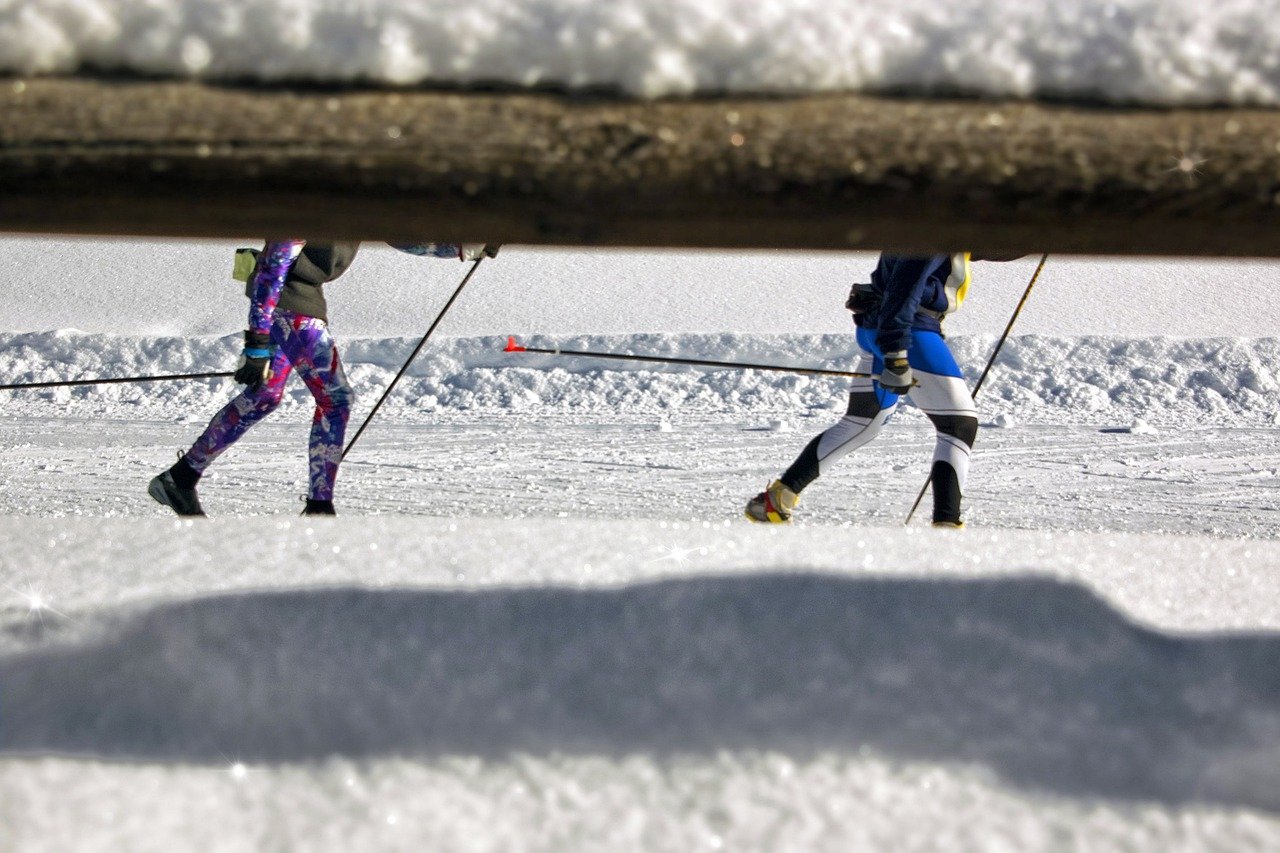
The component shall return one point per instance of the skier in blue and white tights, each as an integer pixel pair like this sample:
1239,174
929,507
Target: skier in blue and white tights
899,318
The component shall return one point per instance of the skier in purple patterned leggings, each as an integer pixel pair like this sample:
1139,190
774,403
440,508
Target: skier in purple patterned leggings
288,330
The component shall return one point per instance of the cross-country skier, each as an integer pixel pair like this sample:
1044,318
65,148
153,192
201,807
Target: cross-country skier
288,330
899,318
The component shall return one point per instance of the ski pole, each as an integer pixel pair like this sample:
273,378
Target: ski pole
445,310
17,386
512,346
992,360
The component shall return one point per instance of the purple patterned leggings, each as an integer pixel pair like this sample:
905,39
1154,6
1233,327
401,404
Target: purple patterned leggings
303,343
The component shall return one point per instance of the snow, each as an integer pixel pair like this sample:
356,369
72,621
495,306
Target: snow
1141,51
1226,382
160,288
550,684
540,621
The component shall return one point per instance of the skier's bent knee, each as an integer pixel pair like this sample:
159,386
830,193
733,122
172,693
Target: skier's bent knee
962,427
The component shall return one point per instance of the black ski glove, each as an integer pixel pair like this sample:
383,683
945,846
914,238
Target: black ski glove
254,368
896,376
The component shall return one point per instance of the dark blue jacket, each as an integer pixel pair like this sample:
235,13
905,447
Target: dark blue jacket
916,292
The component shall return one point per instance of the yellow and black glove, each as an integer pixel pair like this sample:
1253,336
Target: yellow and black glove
896,376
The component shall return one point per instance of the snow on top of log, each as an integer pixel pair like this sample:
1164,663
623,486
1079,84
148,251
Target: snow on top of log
1161,52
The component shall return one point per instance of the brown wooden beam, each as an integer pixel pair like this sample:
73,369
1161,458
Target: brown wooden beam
174,159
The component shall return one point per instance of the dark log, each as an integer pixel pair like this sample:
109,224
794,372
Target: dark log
174,159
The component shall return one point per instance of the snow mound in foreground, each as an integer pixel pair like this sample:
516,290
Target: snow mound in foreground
1150,51
1037,379
396,637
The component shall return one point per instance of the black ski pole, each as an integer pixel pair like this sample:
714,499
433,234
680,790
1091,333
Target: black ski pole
18,386
512,346
982,378
445,310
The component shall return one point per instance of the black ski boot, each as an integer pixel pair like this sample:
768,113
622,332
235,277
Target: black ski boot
176,488
315,507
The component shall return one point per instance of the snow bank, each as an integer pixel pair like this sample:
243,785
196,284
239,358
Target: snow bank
1148,51
394,679
691,665
1038,379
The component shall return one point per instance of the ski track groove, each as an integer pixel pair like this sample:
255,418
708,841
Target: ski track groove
1040,476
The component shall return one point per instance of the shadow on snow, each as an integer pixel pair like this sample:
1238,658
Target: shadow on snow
1041,681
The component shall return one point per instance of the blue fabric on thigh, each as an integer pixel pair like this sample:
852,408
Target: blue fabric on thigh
928,352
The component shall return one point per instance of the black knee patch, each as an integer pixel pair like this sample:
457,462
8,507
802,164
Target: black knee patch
865,404
962,427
